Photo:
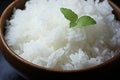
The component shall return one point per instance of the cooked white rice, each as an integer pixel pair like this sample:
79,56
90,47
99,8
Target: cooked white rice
41,34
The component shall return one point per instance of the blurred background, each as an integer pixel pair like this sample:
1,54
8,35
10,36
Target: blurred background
6,70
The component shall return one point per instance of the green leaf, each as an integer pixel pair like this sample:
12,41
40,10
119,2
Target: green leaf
86,21
74,20
70,15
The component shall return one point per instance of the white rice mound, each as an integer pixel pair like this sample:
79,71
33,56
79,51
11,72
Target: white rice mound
41,34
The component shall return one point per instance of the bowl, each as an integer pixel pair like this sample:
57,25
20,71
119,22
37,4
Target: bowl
35,72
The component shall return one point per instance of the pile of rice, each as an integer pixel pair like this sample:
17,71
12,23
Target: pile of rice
41,34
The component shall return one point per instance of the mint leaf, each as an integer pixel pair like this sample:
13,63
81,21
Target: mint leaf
70,15
86,21
74,20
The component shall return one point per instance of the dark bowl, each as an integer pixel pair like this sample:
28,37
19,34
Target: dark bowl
34,72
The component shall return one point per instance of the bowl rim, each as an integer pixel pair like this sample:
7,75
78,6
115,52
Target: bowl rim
41,67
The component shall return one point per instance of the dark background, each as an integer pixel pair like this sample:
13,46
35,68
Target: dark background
6,71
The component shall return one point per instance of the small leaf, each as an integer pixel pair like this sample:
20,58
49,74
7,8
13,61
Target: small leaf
74,20
86,21
70,15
